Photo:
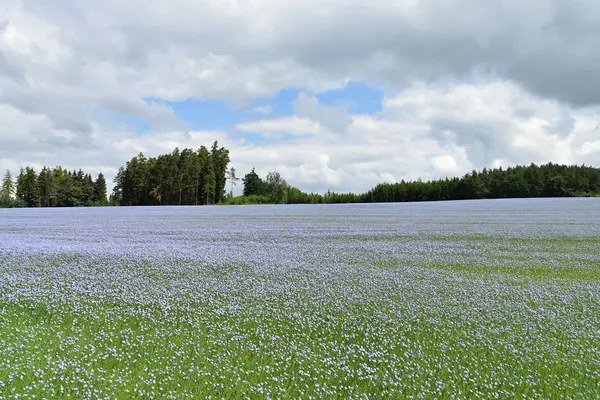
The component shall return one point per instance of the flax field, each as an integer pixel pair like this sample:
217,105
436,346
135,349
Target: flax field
495,299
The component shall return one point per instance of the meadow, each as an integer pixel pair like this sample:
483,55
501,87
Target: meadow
474,299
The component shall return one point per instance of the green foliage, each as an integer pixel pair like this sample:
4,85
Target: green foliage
549,180
55,187
276,188
7,191
200,177
99,191
185,177
253,185
247,200
182,177
27,189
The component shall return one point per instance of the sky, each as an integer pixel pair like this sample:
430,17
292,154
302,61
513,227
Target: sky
332,94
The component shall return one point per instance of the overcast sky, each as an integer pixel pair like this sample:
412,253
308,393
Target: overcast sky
333,94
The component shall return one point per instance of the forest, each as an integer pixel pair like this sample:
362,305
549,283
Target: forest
548,180
202,177
52,187
186,177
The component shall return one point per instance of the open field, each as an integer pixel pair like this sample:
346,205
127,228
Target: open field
474,299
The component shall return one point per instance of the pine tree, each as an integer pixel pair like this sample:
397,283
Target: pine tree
209,182
7,191
27,189
220,158
252,184
99,196
44,182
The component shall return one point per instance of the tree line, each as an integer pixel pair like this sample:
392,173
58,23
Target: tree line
202,177
52,187
548,180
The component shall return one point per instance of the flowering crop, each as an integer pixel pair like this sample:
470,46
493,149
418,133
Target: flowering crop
474,299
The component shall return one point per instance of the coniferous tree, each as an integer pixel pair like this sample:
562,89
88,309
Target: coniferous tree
99,190
7,190
195,177
202,159
209,182
27,189
253,185
44,182
183,177
220,159
118,184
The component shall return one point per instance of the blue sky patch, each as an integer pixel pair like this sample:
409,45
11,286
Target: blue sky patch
281,103
203,114
356,98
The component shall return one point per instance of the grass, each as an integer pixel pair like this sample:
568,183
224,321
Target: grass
126,351
207,354
589,272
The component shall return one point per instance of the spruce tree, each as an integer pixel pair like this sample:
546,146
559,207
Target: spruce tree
7,191
99,196
253,185
27,188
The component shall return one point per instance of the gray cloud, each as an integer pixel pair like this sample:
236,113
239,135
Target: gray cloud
68,67
548,46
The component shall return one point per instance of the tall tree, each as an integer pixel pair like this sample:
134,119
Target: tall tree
27,189
99,196
276,188
220,158
202,158
232,177
209,182
253,185
44,182
8,189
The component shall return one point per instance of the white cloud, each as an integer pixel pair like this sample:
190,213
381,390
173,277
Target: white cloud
446,164
431,132
266,109
281,126
423,132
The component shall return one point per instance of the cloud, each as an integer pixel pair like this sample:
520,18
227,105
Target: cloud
424,132
263,110
545,45
281,126
506,82
428,131
333,118
490,121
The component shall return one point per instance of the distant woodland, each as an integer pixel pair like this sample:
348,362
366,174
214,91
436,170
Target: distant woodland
549,180
52,187
186,177
203,177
